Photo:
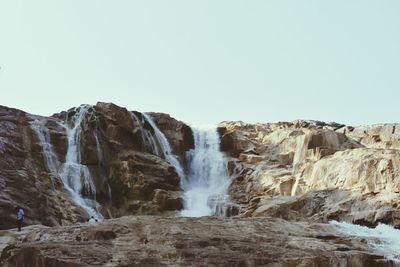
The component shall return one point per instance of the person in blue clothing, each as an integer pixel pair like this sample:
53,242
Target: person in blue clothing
20,218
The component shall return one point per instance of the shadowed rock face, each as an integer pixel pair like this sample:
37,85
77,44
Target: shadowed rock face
128,177
285,169
170,241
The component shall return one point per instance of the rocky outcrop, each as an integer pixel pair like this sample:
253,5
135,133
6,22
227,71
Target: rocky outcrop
116,146
24,179
330,204
384,136
127,165
170,241
363,170
283,169
178,133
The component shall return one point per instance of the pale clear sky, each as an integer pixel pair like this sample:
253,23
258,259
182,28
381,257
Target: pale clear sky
205,61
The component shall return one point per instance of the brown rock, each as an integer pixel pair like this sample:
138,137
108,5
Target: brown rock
24,180
125,173
178,133
170,241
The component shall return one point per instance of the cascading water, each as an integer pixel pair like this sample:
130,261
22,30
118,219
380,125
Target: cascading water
166,148
206,186
75,176
384,239
100,159
43,134
148,140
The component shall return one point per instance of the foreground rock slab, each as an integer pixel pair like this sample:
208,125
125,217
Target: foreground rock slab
177,241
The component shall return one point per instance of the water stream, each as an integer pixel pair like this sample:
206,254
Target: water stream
75,176
50,157
166,147
148,140
384,239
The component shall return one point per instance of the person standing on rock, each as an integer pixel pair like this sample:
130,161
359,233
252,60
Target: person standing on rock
20,218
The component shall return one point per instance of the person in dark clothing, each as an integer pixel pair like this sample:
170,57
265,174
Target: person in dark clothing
20,218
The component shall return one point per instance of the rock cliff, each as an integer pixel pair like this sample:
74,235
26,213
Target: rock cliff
118,148
288,180
310,170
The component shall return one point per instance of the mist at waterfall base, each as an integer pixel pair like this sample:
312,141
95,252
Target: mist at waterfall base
384,239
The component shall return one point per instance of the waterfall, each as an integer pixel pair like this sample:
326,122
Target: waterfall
98,148
149,143
384,239
50,157
75,176
166,148
206,187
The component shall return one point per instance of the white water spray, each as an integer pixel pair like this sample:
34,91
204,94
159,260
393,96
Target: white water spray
384,239
206,187
75,176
